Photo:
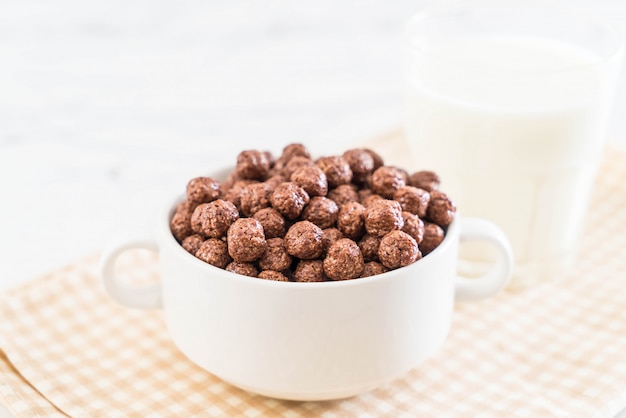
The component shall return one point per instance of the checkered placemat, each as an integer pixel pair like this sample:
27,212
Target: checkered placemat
554,350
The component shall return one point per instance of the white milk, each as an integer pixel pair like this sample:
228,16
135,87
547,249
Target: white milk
514,126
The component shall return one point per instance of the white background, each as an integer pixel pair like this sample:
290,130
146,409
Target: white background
109,107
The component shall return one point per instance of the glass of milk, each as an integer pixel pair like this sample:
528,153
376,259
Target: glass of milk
510,104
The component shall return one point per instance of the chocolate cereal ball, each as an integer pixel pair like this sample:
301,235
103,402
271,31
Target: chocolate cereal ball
369,199
373,268
351,220
369,247
364,193
192,243
378,160
270,158
361,163
180,225
289,199
275,256
344,260
245,269
344,194
386,180
291,151
440,209
246,240
273,275
337,170
215,252
413,226
213,219
433,236
412,199
312,179
273,222
427,180
225,185
202,190
382,217
398,249
329,236
310,271
274,181
254,197
233,194
321,211
295,164
252,165
304,240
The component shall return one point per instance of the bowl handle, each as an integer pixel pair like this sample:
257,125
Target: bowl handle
145,297
498,276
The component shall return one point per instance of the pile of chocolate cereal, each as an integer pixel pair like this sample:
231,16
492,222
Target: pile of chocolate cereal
294,218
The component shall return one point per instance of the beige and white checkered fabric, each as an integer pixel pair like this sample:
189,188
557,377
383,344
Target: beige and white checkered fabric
555,350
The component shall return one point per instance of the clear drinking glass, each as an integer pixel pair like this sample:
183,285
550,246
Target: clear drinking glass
509,104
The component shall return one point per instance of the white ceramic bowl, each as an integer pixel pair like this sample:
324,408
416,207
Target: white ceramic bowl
308,341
